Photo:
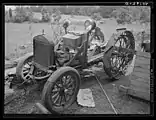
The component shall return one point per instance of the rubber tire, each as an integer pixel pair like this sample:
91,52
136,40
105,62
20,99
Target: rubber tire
106,63
20,65
132,40
49,84
107,55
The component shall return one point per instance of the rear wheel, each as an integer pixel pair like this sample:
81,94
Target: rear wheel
61,89
116,60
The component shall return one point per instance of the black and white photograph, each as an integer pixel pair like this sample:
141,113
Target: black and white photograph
73,59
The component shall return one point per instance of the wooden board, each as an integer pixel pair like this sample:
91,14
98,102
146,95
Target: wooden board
143,54
140,74
142,95
140,69
140,77
144,62
142,86
144,66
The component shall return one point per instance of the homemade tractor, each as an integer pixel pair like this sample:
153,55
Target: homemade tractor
61,65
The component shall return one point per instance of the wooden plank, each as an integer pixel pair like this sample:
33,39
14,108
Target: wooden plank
140,74
144,54
140,89
140,85
143,59
134,93
141,95
140,69
93,58
140,79
144,62
144,66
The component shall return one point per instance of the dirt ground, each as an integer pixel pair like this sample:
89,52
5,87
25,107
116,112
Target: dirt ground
123,104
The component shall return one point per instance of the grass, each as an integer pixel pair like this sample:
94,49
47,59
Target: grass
20,34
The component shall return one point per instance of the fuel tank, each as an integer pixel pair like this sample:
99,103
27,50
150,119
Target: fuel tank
43,50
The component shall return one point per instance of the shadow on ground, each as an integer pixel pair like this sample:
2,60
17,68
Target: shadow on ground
123,104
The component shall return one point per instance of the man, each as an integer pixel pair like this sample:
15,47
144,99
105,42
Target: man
145,44
88,23
99,35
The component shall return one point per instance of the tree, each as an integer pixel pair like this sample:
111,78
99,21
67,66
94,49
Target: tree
62,9
122,15
36,8
45,15
56,17
22,14
96,16
106,11
7,18
128,14
145,14
10,12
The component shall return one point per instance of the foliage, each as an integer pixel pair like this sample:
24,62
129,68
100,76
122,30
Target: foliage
56,16
123,14
96,16
35,20
106,11
22,15
57,32
45,15
131,14
7,18
10,13
36,8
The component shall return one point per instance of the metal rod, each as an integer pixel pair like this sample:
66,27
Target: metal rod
106,94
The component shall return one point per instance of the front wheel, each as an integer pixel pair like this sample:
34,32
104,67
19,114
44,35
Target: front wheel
61,89
26,72
24,69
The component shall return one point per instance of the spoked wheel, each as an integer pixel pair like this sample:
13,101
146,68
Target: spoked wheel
116,60
26,72
24,69
61,89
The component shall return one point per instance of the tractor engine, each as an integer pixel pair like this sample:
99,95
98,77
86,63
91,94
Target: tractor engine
63,56
68,47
